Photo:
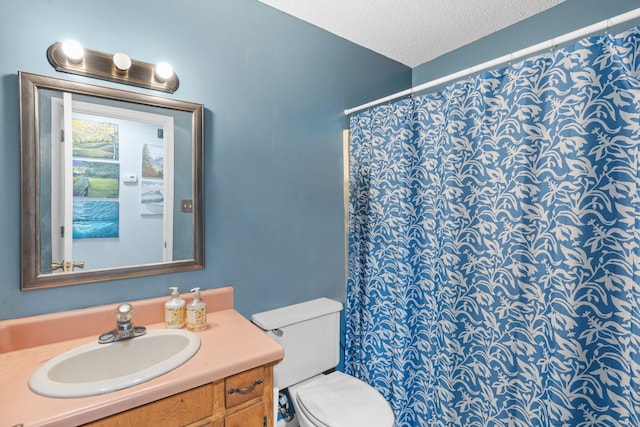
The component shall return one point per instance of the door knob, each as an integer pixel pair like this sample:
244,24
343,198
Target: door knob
66,266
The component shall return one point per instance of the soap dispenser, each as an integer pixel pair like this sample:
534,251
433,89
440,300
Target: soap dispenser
196,312
174,310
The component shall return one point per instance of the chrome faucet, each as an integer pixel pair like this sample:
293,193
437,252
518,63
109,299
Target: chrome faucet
125,329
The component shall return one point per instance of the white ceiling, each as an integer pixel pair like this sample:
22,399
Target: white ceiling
412,32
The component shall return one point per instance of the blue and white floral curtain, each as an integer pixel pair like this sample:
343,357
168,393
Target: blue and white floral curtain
493,245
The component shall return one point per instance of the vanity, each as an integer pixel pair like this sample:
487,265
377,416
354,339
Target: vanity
227,383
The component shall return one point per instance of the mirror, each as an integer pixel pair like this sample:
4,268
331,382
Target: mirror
111,183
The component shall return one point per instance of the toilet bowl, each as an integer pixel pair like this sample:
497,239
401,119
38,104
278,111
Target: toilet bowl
339,400
309,332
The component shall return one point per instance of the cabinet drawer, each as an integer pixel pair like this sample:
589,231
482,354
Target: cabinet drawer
177,410
244,386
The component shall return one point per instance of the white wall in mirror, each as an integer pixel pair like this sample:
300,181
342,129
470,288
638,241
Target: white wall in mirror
126,217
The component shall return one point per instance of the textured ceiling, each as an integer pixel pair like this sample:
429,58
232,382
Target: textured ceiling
412,32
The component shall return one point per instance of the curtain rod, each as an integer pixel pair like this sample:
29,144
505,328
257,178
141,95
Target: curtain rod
537,48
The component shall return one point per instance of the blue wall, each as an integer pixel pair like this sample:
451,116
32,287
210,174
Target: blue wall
274,89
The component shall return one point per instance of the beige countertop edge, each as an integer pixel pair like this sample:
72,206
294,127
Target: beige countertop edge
230,344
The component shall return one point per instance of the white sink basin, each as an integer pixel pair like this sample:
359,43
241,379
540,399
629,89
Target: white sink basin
94,368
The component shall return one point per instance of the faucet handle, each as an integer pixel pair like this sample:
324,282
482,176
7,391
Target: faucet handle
124,313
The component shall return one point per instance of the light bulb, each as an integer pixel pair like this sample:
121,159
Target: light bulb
122,61
73,50
164,71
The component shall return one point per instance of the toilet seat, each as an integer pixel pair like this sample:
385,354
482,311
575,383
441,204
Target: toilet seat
340,400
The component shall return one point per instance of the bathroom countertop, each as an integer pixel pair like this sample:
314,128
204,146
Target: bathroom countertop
230,344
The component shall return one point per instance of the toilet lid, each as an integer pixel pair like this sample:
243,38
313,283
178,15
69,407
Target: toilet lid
332,399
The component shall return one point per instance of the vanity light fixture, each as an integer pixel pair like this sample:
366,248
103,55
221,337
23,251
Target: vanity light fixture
71,57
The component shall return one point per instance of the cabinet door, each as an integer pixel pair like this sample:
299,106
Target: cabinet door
253,416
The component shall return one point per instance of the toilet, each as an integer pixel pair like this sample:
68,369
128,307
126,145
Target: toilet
309,332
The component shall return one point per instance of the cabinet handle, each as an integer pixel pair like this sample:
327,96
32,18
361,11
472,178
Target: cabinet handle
244,390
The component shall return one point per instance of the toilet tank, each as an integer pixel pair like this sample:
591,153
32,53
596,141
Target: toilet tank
309,332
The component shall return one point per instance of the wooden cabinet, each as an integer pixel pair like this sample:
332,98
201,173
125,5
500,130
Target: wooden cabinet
251,416
241,400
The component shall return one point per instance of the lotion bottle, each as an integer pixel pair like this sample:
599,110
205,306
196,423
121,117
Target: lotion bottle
196,312
174,310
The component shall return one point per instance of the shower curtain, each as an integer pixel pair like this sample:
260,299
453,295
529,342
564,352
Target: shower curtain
493,245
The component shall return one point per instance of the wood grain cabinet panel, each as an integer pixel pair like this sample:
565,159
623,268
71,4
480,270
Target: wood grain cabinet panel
253,416
241,400
177,410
